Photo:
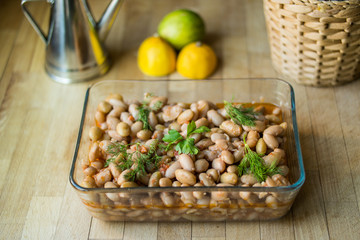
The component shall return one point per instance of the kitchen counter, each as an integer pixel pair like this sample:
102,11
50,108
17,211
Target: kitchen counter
39,122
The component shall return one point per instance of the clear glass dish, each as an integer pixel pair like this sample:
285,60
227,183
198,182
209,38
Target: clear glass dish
144,203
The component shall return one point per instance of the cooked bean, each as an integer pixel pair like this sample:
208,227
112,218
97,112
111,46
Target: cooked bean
186,162
114,96
94,152
201,165
116,112
230,178
215,117
115,171
185,116
123,176
201,122
220,195
206,179
227,157
154,179
276,111
259,126
100,117
261,147
217,136
95,133
152,119
185,176
214,174
123,129
114,135
170,113
112,122
188,199
210,155
270,141
97,164
134,110
102,177
272,158
273,118
170,172
271,201
90,171
222,144
144,134
275,130
219,165
249,179
136,127
143,178
204,143
104,107
112,196
167,199
126,117
231,128
165,182
176,126
280,180
199,194
128,185
158,102
203,107
252,138
193,108
176,184
238,155
284,170
232,169
88,182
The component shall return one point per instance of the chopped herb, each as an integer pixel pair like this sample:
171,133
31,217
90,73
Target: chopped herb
157,105
144,116
141,160
184,145
240,115
254,164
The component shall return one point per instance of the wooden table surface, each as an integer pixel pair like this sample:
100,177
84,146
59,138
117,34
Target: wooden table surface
39,121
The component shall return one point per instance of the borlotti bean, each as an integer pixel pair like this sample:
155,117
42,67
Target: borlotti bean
157,144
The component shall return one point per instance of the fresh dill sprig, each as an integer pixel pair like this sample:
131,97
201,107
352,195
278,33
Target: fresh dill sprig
240,115
144,112
140,160
253,163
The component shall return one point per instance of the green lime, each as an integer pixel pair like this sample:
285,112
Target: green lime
181,27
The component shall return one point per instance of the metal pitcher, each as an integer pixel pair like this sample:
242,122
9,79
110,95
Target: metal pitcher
75,42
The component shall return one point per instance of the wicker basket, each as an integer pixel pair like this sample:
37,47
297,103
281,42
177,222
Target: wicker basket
315,42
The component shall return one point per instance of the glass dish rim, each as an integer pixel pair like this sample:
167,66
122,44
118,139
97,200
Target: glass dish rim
293,187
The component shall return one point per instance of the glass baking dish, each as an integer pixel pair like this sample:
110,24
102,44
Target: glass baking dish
145,203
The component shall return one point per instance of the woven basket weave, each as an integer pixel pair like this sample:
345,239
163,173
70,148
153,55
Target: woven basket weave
315,42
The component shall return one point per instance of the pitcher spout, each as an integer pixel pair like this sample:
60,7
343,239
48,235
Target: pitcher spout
107,19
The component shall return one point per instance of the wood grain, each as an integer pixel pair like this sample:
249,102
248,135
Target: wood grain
39,121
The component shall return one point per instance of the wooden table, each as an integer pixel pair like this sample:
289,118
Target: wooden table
39,121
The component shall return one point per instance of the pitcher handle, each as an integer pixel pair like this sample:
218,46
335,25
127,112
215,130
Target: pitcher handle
32,20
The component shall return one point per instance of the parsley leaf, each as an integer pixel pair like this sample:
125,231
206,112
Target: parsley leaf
184,145
187,146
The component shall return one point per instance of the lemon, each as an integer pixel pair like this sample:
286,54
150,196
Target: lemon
156,57
181,27
196,61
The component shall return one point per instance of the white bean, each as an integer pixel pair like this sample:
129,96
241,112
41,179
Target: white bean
170,172
219,165
186,162
185,176
215,117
